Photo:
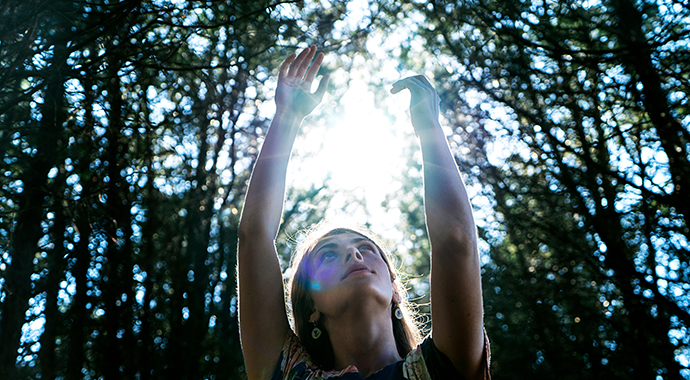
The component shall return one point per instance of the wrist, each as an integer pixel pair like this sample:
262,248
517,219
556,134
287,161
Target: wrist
428,129
288,116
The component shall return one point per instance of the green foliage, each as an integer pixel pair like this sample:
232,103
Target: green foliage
129,129
128,132
570,117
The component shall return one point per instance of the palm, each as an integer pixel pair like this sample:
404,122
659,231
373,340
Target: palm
294,84
294,94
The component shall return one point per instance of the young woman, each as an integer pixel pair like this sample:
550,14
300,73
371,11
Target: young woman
348,306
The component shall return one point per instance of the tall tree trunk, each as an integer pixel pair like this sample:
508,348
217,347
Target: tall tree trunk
77,314
56,266
117,274
637,58
31,203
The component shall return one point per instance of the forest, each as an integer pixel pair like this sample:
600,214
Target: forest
128,130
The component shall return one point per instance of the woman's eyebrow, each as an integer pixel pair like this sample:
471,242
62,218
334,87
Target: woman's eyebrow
326,246
335,245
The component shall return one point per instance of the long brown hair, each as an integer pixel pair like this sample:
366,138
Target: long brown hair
405,330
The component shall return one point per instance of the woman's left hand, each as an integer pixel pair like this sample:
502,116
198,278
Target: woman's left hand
424,102
456,287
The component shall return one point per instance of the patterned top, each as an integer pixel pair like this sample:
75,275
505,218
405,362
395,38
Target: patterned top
425,362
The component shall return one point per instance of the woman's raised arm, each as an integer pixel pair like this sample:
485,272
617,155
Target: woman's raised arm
456,294
263,318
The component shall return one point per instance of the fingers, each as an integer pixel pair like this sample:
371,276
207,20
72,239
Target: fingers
414,83
300,64
286,65
297,69
314,69
323,84
305,63
400,85
297,66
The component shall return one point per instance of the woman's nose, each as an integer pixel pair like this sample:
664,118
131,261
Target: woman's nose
353,253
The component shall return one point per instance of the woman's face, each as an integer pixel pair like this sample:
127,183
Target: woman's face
345,270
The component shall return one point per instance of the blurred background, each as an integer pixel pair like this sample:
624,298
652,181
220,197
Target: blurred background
128,130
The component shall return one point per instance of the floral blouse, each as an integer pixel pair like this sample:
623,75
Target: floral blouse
425,362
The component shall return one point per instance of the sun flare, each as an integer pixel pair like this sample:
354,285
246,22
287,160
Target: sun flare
362,153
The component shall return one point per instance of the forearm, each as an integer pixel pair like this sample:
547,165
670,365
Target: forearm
262,313
263,205
448,211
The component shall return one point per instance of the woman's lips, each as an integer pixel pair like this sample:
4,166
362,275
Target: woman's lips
357,269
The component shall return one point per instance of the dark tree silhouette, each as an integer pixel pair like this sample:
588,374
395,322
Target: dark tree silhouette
128,131
588,270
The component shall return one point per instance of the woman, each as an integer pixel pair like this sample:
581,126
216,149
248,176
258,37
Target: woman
345,298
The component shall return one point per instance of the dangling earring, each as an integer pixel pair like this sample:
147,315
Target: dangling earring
398,313
315,332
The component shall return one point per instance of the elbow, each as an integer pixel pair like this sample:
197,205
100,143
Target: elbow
246,232
243,229
460,240
451,226
251,232
242,233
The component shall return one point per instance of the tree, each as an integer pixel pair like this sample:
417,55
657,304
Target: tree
128,132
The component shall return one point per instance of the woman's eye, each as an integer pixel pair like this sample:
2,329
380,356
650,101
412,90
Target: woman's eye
327,255
365,248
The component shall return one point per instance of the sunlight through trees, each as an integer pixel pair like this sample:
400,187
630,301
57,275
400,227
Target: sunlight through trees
128,131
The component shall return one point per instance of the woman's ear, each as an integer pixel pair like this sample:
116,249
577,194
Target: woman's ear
315,316
397,298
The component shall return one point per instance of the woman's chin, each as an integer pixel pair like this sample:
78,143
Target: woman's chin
353,295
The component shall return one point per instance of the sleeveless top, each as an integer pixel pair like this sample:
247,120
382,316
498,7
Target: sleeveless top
425,362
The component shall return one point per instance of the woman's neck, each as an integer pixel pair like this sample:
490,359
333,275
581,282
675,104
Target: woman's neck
363,340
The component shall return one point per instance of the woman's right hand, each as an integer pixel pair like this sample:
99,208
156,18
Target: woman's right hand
293,95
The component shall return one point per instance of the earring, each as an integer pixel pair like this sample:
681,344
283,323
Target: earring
398,313
315,332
